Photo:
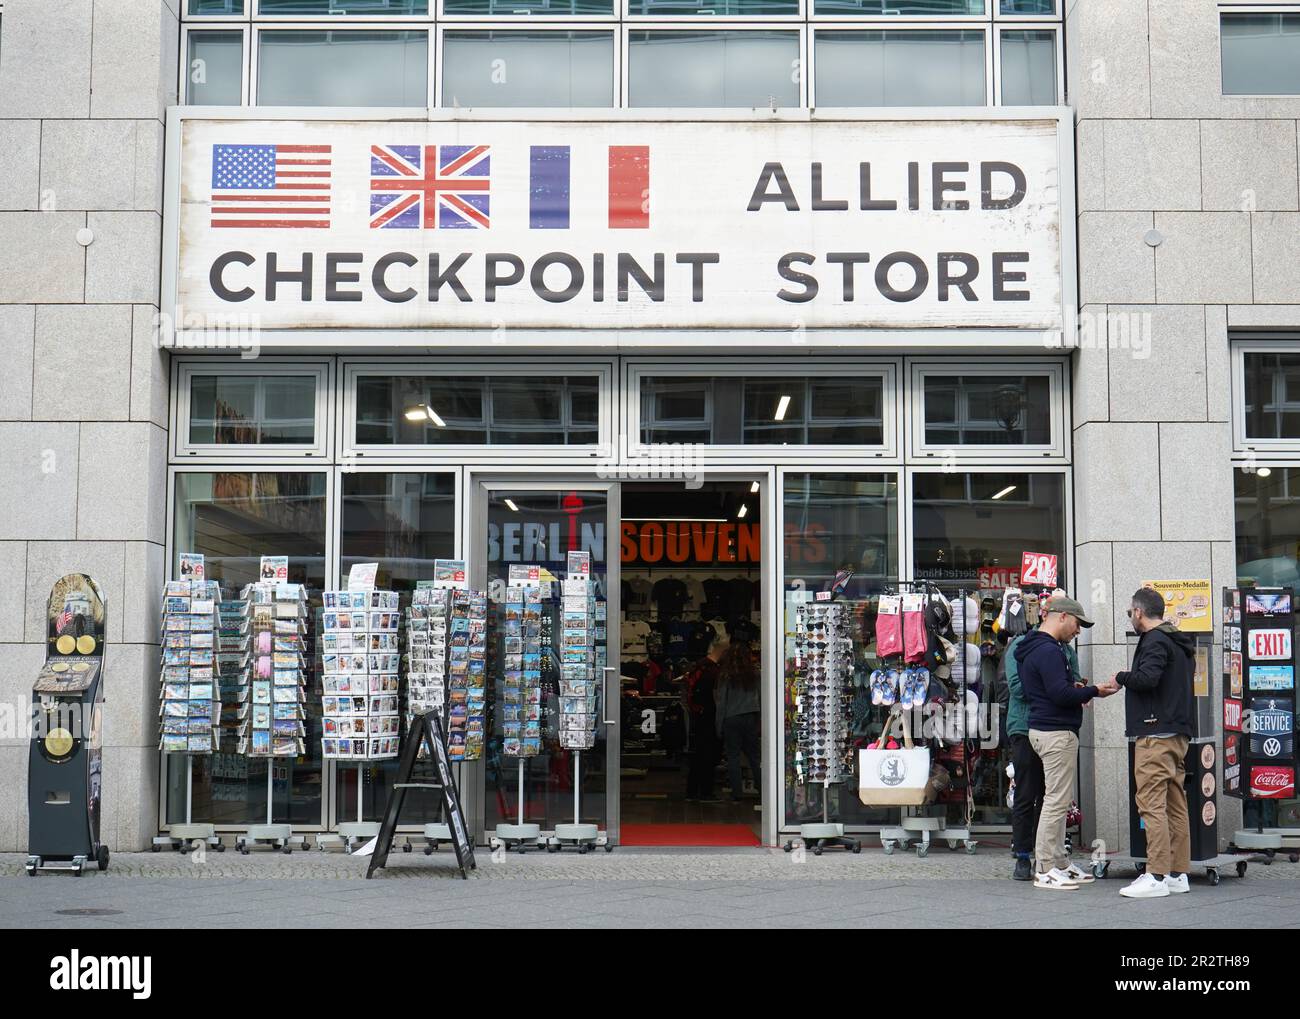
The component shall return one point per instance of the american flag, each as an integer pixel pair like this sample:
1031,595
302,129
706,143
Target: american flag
65,617
259,186
429,185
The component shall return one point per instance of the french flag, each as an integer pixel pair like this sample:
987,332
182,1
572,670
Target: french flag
549,193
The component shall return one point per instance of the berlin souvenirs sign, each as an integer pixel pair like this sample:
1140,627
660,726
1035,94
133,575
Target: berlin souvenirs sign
744,222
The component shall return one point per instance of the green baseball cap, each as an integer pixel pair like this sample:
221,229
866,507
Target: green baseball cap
1066,604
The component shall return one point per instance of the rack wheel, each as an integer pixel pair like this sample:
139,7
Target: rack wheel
155,848
788,847
406,848
888,846
552,849
970,846
101,857
1099,870
609,847
243,850
495,843
1141,868
1294,857
1241,868
817,851
952,845
584,850
1268,856
1213,874
522,849
181,847
856,848
922,851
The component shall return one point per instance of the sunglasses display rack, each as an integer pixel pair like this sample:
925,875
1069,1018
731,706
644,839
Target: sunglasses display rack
189,709
823,657
520,654
273,697
579,662
920,636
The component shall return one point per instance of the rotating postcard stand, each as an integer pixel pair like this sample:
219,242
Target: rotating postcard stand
65,766
520,653
579,659
190,699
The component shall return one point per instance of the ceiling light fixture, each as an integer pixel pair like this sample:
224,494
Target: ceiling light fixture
1006,491
511,504
754,488
782,406
743,510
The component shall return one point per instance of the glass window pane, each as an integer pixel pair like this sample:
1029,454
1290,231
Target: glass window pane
713,8
478,410
528,69
343,69
1272,385
900,68
215,71
216,7
1261,53
250,410
233,518
1028,68
771,411
688,69
835,521
964,522
502,8
403,522
368,8
901,8
1028,6
988,410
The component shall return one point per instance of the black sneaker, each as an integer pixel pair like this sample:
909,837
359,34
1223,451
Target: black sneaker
1023,872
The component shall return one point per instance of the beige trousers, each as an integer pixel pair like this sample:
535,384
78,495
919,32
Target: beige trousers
1059,752
1158,772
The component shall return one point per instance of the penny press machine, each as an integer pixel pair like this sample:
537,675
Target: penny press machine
65,769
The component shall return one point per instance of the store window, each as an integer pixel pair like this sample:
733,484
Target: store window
1260,53
1028,7
477,410
775,410
965,522
352,8
222,7
252,410
402,521
535,8
215,69
692,69
1028,70
342,68
835,521
1271,383
902,8
537,69
987,410
713,8
920,67
233,518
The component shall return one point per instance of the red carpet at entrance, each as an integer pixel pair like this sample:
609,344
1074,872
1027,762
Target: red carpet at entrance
687,835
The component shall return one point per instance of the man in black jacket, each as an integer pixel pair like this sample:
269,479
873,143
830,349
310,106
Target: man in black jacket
1158,690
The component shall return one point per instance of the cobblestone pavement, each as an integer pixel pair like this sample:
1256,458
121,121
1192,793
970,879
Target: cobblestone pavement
627,888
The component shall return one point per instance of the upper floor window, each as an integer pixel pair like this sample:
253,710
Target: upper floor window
1260,53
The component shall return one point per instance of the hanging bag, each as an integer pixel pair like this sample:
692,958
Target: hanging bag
899,777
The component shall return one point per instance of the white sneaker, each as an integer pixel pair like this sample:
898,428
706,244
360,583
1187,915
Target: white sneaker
1056,880
1177,885
1145,887
1081,877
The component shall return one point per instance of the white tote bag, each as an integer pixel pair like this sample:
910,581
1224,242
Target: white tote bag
893,777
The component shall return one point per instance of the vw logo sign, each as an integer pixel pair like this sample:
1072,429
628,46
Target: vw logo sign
893,770
1272,747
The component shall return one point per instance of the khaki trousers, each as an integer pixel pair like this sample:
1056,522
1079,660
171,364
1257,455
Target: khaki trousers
1158,772
1059,752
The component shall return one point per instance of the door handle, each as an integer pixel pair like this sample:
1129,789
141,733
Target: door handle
604,692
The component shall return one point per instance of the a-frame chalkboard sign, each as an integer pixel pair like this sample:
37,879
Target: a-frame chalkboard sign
426,731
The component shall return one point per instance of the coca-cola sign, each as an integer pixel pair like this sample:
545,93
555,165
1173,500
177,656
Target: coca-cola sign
1269,645
1271,783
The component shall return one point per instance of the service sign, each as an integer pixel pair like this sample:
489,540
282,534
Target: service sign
787,223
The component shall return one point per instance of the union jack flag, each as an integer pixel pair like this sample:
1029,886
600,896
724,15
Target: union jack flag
429,185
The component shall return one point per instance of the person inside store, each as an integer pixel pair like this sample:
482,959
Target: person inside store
739,718
701,688
1158,692
1055,716
1027,801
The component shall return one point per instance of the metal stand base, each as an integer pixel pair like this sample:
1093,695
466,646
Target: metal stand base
583,837
349,834
930,829
274,836
435,835
516,836
1212,866
824,835
183,837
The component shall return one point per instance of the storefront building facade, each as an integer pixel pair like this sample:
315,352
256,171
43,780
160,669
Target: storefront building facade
922,435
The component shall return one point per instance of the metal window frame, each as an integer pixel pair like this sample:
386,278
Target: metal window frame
774,634
1250,8
1056,17
425,25
797,28
1243,446
548,25
207,19
204,28
876,20
343,19
888,369
981,25
351,452
624,8
183,372
1058,49
921,452
331,580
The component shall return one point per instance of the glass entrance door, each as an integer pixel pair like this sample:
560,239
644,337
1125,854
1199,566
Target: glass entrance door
537,524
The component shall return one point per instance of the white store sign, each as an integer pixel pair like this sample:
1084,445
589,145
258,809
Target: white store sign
623,224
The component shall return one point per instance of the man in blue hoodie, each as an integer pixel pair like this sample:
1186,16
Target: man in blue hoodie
1055,715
